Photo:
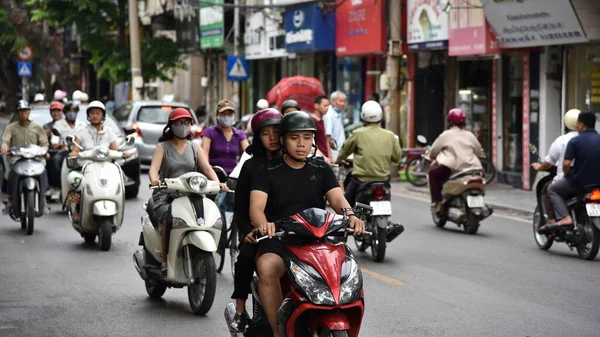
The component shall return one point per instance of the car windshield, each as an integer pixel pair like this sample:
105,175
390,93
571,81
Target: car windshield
122,113
42,116
155,114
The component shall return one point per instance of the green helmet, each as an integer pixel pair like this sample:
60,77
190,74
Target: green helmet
296,121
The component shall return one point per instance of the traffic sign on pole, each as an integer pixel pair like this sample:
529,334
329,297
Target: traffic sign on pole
25,54
237,68
24,69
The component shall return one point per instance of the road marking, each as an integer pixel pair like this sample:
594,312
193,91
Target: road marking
508,217
385,279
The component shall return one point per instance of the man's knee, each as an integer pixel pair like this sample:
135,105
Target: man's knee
270,267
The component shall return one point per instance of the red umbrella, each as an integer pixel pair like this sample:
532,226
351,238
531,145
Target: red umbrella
300,88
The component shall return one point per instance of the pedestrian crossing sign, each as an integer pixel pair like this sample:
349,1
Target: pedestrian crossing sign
24,69
237,68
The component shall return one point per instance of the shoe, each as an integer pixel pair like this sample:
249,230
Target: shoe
239,322
547,229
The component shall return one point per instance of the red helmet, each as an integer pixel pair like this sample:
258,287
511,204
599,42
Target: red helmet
179,113
265,117
56,106
456,116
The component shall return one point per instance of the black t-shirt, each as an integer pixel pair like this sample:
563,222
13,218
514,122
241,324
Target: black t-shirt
241,208
293,190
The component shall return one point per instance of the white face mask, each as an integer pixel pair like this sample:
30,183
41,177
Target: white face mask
226,121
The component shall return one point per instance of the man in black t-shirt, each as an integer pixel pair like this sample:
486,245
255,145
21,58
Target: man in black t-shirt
282,188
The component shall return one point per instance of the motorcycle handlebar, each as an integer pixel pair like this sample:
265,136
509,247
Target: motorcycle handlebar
282,233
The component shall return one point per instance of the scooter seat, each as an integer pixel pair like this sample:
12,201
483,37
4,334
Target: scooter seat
469,171
150,212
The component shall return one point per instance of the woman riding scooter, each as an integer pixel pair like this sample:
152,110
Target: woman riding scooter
455,149
175,155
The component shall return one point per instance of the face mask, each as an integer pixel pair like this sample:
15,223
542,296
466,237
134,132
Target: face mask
71,116
337,110
226,121
181,131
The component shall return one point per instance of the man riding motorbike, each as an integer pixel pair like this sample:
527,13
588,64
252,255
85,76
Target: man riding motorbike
92,135
20,133
584,150
284,187
456,149
56,112
66,127
555,157
375,150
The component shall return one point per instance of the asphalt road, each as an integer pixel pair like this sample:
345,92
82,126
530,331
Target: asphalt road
434,282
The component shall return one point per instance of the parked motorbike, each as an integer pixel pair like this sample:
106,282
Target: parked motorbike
28,200
584,208
463,202
102,195
323,290
193,241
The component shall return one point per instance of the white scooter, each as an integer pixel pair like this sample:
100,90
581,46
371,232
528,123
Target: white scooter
193,241
102,195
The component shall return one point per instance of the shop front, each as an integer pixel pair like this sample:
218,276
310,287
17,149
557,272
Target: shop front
360,42
265,50
309,42
584,78
427,38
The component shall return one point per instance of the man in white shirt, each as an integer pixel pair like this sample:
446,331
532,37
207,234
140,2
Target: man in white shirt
334,123
555,157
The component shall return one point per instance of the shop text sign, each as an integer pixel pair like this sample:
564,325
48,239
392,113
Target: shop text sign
211,24
427,24
531,23
308,29
360,27
468,32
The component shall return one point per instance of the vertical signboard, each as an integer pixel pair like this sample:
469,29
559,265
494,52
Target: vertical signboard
211,24
427,25
525,132
494,113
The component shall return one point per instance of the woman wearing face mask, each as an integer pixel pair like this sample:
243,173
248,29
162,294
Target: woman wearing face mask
175,155
223,143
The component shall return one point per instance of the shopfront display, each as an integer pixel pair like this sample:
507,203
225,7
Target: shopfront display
469,32
585,86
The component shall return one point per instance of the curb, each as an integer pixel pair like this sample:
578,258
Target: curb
495,206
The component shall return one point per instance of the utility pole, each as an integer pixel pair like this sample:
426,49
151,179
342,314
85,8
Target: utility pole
397,116
137,81
236,39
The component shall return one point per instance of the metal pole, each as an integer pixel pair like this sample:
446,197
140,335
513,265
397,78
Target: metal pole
236,38
137,81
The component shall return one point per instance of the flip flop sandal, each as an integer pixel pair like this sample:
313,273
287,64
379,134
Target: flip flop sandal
546,229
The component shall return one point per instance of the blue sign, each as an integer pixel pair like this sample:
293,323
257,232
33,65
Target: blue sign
24,69
237,69
307,29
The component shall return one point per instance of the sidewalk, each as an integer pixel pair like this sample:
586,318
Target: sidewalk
499,196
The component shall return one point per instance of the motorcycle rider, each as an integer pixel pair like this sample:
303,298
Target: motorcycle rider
92,135
284,187
66,127
456,149
260,104
289,106
375,150
265,126
584,150
175,155
20,133
56,112
555,157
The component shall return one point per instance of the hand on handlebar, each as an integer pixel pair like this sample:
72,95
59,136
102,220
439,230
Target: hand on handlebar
154,182
224,187
4,150
267,229
126,155
357,224
251,237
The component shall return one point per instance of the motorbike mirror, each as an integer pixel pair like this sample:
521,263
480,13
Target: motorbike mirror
421,140
129,141
55,132
70,140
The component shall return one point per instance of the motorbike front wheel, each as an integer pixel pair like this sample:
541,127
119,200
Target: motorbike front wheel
543,241
155,290
379,238
105,234
29,216
201,293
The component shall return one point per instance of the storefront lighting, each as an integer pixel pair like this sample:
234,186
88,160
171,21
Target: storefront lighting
464,92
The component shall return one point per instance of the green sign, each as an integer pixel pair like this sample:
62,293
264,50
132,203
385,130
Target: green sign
211,24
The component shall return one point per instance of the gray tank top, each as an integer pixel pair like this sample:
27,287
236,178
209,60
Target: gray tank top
175,164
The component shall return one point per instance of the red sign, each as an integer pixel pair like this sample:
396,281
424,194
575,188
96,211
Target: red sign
525,120
469,32
360,27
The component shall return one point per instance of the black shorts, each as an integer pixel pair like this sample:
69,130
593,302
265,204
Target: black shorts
274,246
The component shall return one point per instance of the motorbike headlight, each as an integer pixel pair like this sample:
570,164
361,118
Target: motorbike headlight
352,282
179,223
316,291
102,153
197,184
27,152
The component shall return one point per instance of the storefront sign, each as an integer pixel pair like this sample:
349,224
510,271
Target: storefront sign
525,121
211,24
494,113
469,33
309,29
263,37
360,27
531,23
427,24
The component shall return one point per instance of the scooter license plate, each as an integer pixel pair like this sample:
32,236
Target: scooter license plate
475,201
593,209
381,207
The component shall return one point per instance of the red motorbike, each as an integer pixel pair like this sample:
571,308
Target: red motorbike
323,290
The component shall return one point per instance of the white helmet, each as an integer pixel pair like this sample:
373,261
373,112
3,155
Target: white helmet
262,104
371,112
76,95
96,104
38,97
571,119
75,181
83,97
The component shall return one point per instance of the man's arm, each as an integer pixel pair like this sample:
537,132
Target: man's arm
570,153
437,145
42,137
566,166
348,148
338,202
6,139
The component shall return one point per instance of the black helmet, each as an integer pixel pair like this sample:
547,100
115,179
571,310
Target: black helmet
290,103
22,105
296,121
70,106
